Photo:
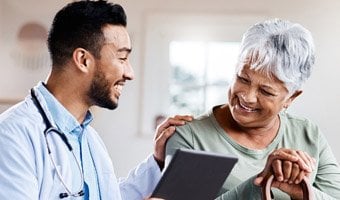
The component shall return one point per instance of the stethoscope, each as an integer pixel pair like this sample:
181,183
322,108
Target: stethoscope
51,129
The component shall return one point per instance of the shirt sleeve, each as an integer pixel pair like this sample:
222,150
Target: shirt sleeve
140,181
244,191
327,181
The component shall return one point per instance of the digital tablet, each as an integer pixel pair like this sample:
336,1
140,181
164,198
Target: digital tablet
194,175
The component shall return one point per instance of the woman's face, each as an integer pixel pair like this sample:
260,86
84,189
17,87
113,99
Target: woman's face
255,99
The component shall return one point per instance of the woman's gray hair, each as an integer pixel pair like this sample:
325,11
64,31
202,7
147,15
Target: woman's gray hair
281,49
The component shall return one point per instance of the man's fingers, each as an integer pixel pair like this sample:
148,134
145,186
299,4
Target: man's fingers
165,130
161,141
178,120
164,135
187,118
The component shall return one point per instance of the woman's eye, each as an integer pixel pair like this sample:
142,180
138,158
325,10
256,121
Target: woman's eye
267,93
242,79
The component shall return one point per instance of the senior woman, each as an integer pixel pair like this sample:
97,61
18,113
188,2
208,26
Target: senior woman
275,59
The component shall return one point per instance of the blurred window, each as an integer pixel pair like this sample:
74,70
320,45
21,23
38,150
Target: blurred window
200,74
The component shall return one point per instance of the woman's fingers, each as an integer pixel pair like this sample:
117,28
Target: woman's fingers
310,162
294,156
287,170
287,165
277,170
290,166
284,154
300,177
295,172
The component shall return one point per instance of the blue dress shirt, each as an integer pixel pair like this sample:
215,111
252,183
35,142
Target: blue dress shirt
77,136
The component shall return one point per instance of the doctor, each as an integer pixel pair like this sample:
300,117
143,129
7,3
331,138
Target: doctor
48,150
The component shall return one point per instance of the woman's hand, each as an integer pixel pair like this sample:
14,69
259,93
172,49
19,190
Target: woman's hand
289,168
292,172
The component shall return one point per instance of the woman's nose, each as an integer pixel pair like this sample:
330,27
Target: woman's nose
249,96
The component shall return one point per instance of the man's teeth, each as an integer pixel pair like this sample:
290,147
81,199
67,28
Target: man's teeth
119,88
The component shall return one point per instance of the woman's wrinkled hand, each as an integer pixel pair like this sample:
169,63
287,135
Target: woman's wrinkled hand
289,167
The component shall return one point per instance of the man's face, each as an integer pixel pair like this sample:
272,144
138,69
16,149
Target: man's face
112,69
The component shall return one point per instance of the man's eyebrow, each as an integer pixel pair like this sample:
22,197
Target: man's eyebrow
128,50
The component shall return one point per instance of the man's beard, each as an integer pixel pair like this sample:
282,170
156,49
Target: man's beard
100,90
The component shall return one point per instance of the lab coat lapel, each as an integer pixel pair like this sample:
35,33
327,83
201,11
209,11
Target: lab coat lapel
108,185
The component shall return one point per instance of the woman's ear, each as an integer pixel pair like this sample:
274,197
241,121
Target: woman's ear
292,98
82,59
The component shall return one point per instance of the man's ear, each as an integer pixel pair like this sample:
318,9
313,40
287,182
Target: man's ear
83,59
292,98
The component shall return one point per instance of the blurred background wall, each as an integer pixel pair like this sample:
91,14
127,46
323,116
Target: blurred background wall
128,131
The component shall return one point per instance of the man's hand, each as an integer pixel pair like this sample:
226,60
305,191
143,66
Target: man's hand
164,131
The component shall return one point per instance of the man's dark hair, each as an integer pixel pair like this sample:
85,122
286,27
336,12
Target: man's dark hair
79,24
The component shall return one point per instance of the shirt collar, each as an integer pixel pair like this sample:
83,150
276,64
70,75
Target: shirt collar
63,119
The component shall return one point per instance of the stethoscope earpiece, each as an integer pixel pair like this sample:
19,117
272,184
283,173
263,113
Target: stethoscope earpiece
81,193
63,195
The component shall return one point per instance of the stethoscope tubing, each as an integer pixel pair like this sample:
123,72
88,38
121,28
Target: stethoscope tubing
50,129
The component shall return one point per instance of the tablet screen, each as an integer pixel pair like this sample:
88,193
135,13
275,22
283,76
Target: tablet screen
194,174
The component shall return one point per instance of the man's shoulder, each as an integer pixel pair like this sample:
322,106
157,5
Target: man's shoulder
19,117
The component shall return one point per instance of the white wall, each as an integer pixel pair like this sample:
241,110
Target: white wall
122,129
1,23
15,81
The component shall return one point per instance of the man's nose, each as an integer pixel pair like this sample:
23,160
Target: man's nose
129,74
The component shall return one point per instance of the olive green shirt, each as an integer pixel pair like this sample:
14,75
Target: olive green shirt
204,133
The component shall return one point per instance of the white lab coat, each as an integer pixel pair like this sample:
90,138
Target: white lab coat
26,171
